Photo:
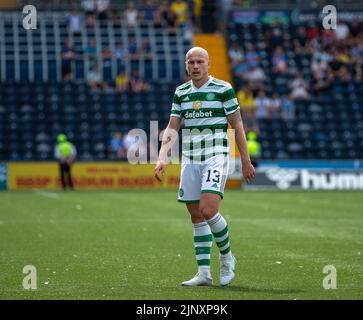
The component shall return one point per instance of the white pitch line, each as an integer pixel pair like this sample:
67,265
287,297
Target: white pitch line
47,194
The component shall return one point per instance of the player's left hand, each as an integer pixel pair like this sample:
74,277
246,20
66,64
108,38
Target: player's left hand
248,171
160,166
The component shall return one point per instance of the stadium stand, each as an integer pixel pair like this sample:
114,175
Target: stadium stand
33,113
36,104
328,124
36,55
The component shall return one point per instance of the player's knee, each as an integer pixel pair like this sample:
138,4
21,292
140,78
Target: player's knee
197,218
207,211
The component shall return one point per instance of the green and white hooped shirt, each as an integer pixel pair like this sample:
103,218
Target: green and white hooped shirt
205,111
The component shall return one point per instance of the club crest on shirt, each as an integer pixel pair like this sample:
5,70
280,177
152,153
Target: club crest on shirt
210,96
197,105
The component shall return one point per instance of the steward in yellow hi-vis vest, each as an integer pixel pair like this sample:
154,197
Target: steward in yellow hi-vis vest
65,152
254,147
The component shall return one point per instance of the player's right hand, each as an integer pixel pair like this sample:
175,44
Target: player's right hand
248,171
160,167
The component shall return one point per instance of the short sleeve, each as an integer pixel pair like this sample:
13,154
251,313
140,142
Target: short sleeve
176,107
229,100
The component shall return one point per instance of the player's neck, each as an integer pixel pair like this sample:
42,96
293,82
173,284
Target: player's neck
201,82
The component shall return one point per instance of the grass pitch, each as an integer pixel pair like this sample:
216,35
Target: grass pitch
139,245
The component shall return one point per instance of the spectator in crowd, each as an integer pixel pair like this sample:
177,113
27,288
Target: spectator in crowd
131,15
103,7
106,62
137,84
321,82
275,107
299,88
132,145
68,54
327,37
301,36
248,108
94,79
90,21
209,17
136,148
106,53
255,77
299,50
357,72
250,121
344,75
89,7
313,45
132,49
288,108
129,140
252,57
240,69
318,67
262,103
356,51
312,31
121,55
145,51
319,63
75,23
335,64
355,29
147,11
121,52
248,69
245,99
343,55
275,35
180,9
223,9
187,29
235,54
116,17
91,51
342,31
116,147
196,14
122,82
158,20
279,61
166,15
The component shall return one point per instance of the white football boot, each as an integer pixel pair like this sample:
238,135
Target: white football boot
227,270
200,279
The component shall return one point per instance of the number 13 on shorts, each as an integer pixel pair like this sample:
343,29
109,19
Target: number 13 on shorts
215,175
207,176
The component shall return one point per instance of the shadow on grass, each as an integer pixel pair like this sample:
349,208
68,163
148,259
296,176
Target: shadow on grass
255,290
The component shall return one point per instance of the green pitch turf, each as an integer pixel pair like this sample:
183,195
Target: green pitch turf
138,245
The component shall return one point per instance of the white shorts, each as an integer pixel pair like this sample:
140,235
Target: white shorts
207,176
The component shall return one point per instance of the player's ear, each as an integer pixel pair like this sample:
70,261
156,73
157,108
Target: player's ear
208,63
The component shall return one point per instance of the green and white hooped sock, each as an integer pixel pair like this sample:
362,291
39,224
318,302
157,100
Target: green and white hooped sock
219,228
203,240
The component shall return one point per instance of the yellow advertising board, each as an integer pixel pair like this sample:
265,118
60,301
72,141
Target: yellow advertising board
95,175
90,175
